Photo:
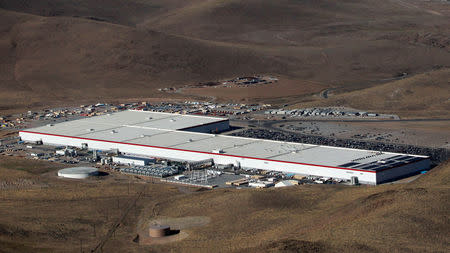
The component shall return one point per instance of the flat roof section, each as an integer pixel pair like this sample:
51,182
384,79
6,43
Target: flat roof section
73,128
171,139
122,134
334,156
214,143
179,122
267,149
111,128
143,119
130,117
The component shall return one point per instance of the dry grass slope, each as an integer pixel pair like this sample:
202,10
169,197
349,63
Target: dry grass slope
312,218
63,51
322,219
65,59
423,95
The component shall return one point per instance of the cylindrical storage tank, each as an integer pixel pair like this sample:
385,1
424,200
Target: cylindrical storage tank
159,231
78,172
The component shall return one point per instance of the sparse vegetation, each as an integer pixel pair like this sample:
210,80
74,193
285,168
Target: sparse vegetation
147,45
309,218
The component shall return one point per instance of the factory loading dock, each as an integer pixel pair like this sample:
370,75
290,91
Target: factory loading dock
169,136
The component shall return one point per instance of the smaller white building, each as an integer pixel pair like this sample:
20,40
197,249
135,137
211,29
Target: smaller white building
61,152
179,177
130,160
66,151
260,184
286,183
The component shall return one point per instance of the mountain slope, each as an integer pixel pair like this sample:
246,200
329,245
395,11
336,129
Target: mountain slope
125,12
71,50
62,58
409,217
422,95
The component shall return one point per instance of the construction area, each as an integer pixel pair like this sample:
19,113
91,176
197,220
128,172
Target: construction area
193,140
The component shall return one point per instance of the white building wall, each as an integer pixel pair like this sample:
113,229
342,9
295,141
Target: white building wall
364,177
405,170
303,169
127,160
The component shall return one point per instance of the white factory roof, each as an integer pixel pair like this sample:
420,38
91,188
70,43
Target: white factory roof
142,119
158,130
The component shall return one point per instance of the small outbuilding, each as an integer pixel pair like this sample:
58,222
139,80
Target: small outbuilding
131,160
286,183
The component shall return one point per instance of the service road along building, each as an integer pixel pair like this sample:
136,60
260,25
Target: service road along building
188,138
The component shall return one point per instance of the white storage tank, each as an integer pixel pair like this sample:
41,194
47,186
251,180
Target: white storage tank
78,172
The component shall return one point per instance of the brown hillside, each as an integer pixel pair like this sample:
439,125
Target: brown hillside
423,95
71,50
232,19
410,217
125,12
66,59
388,218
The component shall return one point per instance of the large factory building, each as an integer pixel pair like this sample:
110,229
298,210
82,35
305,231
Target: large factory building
192,138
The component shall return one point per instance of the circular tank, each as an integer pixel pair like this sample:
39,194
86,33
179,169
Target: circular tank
159,231
78,172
